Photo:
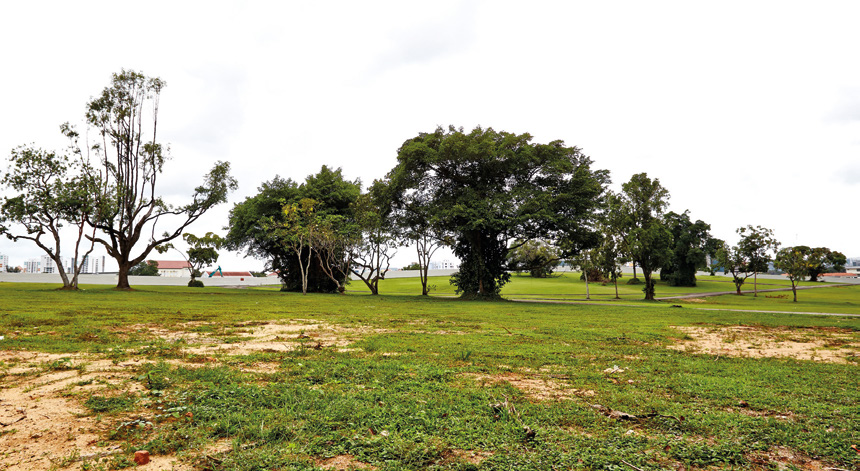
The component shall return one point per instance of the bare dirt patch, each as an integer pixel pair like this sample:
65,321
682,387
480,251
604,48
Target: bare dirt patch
474,457
537,388
275,337
42,426
343,462
786,458
827,345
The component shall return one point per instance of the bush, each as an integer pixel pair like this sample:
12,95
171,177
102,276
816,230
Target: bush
634,281
195,284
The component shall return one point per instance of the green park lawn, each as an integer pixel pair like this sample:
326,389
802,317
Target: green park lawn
568,287
404,382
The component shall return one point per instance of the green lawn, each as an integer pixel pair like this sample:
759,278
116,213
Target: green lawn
568,286
436,383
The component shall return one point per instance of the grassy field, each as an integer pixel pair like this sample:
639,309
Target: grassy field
224,379
568,287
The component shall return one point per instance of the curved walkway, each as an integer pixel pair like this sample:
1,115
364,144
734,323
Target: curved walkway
749,291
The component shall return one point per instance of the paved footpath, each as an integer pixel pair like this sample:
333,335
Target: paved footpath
699,295
749,291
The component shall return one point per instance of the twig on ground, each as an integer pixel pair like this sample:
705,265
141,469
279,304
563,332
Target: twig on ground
23,416
634,467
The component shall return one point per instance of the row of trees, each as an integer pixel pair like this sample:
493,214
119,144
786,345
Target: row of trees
501,203
494,198
105,189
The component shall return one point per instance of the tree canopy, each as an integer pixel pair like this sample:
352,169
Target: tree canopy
250,221
51,190
690,244
648,241
489,188
125,118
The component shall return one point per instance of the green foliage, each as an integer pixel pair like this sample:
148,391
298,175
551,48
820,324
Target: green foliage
733,261
125,117
373,239
757,244
110,405
691,241
412,266
536,257
486,188
248,220
648,241
202,252
50,190
148,268
795,262
824,260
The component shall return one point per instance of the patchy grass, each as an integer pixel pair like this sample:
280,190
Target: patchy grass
568,287
257,379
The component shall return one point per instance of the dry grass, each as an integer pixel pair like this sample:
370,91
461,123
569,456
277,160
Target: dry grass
826,345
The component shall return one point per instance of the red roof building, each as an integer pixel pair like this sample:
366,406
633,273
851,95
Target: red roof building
172,264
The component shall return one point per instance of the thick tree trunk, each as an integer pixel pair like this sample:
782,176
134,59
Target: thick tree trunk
122,276
755,284
634,270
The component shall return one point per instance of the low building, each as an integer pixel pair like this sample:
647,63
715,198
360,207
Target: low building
173,268
835,276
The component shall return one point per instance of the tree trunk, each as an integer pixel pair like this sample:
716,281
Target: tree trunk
649,293
616,287
634,270
423,272
794,290
587,293
122,276
755,284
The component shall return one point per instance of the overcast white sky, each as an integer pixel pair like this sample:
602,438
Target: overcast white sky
747,112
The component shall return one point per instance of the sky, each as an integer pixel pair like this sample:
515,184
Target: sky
747,112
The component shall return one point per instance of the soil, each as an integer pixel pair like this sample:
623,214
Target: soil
827,345
343,462
536,388
44,427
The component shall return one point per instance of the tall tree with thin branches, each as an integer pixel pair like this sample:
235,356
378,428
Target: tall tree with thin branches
130,210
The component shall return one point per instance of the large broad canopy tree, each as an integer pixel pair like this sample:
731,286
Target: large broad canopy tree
648,242
250,222
824,260
130,212
490,188
691,242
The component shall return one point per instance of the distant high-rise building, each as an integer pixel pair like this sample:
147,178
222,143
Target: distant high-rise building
444,265
4,262
47,264
85,264
33,266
